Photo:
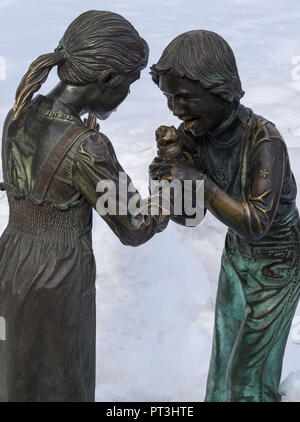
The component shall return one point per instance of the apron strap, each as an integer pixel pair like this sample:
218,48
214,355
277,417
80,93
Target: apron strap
56,157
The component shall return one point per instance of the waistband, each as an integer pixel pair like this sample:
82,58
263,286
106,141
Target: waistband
284,232
45,219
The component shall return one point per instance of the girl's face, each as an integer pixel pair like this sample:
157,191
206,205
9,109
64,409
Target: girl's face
104,96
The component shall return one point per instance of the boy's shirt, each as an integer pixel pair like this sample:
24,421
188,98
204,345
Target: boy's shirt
268,190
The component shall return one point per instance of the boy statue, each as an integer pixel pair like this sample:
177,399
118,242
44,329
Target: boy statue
249,186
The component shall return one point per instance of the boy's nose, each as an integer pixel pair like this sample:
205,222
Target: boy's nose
177,108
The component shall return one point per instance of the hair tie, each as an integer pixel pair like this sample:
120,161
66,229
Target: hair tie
62,48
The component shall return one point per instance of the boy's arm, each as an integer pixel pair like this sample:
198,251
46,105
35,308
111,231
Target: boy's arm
252,217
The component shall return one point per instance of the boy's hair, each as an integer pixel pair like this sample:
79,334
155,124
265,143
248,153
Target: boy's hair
202,56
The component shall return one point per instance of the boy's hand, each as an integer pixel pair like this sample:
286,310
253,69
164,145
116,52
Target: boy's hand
174,169
154,169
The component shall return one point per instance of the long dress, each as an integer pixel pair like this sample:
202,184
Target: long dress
47,266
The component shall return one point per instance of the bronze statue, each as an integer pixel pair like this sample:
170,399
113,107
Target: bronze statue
249,186
52,164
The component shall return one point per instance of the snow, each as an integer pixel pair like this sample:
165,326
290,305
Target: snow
155,303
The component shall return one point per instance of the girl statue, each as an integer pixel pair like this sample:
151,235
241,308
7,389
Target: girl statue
52,164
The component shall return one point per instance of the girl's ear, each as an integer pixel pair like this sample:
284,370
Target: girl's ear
108,77
108,80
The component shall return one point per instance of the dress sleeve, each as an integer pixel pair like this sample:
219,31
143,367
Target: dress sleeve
99,177
252,217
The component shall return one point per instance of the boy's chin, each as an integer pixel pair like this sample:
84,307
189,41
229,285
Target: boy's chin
195,127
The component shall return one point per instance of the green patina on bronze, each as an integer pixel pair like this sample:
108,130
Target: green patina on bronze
249,186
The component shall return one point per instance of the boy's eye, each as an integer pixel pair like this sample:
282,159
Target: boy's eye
187,98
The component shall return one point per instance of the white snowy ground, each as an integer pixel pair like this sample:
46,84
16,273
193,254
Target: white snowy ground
156,302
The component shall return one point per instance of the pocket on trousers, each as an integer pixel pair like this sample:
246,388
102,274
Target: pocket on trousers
276,265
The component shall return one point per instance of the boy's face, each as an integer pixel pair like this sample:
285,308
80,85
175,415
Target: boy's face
200,110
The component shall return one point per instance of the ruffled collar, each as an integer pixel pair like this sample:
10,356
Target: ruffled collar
54,108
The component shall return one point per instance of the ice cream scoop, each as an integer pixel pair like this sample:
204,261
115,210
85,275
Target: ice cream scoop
167,142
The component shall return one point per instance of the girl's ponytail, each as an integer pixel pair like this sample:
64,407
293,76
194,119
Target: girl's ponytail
34,78
96,43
